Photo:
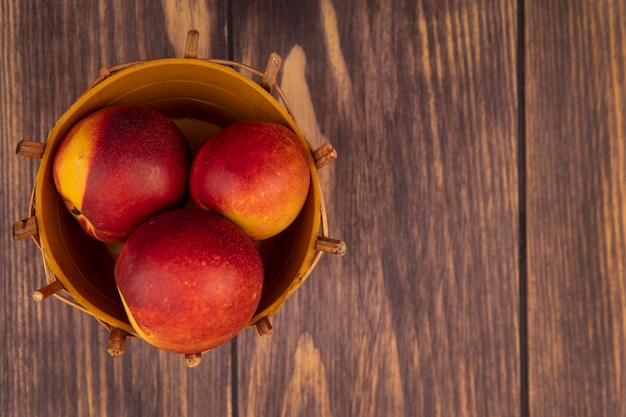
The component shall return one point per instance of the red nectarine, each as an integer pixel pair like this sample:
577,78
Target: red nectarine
118,167
190,280
256,174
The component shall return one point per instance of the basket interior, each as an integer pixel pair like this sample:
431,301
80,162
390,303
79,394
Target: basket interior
201,98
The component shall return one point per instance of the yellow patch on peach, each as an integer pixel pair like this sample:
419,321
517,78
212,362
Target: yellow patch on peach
140,333
72,167
263,224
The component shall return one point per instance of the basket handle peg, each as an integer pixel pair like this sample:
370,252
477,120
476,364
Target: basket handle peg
30,149
324,155
272,68
25,228
193,359
334,246
191,44
50,289
264,328
117,342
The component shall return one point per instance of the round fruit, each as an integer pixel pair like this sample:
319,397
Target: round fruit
256,174
190,280
120,166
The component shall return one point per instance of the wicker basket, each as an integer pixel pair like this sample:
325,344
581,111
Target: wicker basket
201,96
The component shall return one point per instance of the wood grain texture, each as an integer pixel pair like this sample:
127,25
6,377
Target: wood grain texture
54,360
421,315
576,182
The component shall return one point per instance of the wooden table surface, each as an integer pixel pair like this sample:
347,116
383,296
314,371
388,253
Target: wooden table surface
480,189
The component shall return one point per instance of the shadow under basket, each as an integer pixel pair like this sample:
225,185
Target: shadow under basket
201,96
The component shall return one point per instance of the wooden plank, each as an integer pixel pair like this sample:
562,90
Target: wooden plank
576,200
421,315
54,359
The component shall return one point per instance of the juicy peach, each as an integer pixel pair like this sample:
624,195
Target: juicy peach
120,166
190,280
256,174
